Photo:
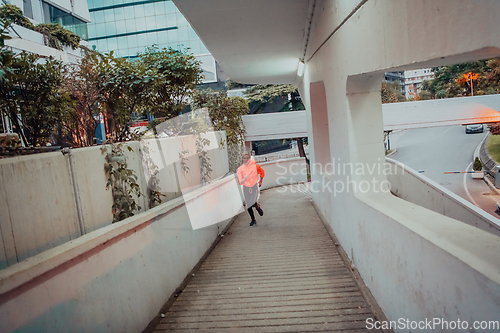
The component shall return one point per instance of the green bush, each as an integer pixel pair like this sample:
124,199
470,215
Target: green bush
14,14
57,31
477,166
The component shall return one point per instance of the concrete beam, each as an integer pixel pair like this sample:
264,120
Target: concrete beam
279,125
442,112
397,116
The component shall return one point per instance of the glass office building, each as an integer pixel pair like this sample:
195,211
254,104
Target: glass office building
128,27
67,20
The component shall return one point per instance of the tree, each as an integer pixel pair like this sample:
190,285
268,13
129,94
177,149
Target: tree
493,76
160,81
262,95
86,83
33,94
391,92
6,56
424,95
174,76
449,80
225,113
427,91
39,97
8,106
127,91
269,93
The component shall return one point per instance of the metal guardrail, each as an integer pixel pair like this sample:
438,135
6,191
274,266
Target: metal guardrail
489,164
269,158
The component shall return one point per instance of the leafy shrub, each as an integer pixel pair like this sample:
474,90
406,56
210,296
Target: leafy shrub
477,166
14,14
55,31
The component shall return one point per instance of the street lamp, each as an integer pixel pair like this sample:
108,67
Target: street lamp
471,76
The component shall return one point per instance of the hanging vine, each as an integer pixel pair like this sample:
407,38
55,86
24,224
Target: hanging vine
151,170
183,158
122,180
205,167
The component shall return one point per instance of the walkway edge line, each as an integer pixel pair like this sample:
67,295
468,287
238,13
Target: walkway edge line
365,291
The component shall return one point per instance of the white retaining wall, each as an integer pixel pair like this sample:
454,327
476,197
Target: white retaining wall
94,199
117,278
417,263
38,205
411,186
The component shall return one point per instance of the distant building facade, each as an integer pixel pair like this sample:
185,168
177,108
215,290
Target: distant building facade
413,80
128,27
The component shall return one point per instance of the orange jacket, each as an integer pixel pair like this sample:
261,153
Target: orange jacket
253,171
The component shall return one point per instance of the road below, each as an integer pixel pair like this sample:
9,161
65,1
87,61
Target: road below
434,151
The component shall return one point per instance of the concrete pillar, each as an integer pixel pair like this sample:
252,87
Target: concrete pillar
248,146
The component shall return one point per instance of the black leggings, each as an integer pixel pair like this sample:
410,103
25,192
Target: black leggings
250,211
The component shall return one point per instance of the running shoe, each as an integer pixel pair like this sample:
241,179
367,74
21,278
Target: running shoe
259,209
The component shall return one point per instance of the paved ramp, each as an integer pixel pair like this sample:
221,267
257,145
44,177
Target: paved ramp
282,275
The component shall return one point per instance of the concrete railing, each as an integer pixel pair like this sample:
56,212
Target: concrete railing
33,41
49,199
283,172
117,278
17,31
407,184
417,264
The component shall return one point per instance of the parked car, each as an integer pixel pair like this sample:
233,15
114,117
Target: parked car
476,128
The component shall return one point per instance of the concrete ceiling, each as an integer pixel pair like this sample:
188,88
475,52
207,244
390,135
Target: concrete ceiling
250,39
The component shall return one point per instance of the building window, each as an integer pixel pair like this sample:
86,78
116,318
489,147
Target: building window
69,22
27,9
209,68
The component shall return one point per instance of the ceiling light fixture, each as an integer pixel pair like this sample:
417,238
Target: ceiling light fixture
300,70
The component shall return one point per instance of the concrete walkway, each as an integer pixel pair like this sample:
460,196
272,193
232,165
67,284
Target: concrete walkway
282,275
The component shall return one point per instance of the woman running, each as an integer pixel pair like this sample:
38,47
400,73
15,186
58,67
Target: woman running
248,176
